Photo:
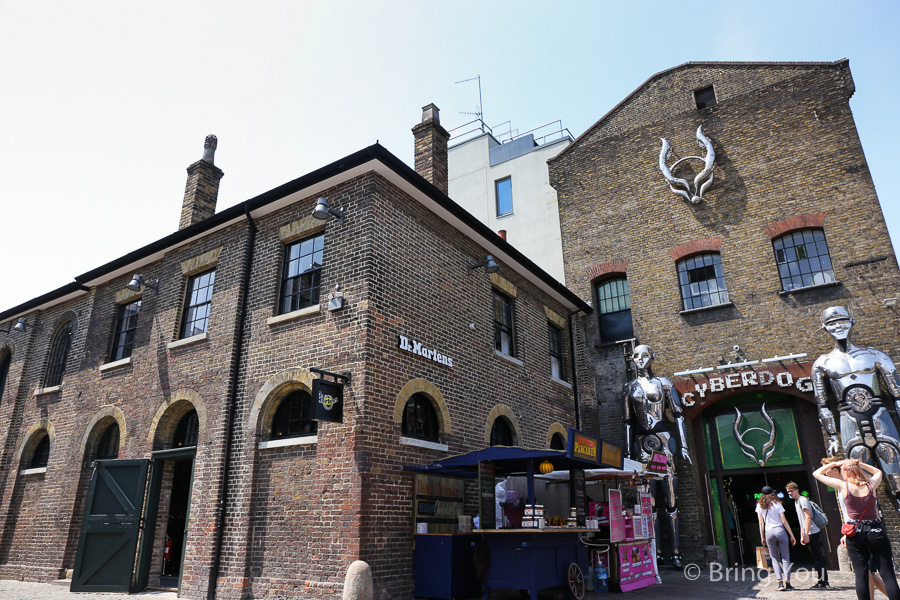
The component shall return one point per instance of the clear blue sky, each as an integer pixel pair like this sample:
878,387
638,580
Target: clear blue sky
105,104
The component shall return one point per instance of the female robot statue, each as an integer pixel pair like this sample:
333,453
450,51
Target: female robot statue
646,431
850,375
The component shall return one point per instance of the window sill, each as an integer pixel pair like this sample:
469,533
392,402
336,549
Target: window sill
187,341
558,381
47,390
294,441
309,310
808,288
115,364
505,215
705,308
34,471
408,441
511,359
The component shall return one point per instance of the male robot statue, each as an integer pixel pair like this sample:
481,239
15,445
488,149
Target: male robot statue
850,374
646,431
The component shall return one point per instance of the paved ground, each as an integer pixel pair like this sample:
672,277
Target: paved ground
676,585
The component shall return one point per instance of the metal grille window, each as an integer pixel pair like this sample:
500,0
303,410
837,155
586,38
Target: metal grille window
41,455
556,353
503,189
420,419
59,353
126,326
614,310
302,274
702,281
803,259
187,430
109,443
4,371
293,417
705,97
504,334
197,303
501,433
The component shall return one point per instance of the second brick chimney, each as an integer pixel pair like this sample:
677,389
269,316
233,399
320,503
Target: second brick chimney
202,188
431,148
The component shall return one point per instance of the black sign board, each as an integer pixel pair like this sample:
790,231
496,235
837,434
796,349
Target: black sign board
486,505
577,481
328,398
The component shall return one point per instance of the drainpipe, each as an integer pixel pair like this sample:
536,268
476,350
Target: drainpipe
232,407
574,370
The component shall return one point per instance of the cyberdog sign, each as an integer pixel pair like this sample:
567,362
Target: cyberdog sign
328,397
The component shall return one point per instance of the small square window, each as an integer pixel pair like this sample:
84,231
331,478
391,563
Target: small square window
504,196
705,97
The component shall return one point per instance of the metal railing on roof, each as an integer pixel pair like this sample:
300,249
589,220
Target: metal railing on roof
549,132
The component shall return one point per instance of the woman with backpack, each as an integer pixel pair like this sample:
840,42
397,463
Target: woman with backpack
774,529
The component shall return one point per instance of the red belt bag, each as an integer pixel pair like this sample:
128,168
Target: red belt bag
849,529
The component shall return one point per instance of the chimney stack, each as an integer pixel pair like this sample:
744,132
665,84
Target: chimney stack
202,189
431,148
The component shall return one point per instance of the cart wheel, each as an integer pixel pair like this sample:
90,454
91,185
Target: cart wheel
575,581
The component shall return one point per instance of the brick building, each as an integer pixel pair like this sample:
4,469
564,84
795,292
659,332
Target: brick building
789,225
200,369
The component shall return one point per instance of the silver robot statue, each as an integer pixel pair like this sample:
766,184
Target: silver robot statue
647,399
850,374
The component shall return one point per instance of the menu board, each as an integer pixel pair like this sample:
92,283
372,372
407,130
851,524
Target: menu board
439,502
636,569
487,509
578,494
647,513
616,519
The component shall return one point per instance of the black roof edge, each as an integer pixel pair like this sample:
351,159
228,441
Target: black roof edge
376,152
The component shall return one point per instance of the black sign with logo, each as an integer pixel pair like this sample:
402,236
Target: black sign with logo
328,398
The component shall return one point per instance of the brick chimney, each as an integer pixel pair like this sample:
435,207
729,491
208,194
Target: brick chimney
202,187
431,148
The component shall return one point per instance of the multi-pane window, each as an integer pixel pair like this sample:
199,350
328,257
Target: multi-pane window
803,259
556,352
196,305
187,430
702,281
4,371
59,353
302,274
504,335
126,326
108,448
41,455
614,310
501,433
420,419
293,417
504,196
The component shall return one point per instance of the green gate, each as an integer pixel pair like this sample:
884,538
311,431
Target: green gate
109,532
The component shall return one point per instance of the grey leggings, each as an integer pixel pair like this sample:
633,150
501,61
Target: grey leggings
779,551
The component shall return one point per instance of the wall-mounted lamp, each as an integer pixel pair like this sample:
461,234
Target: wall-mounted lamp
490,266
889,301
22,324
322,211
137,282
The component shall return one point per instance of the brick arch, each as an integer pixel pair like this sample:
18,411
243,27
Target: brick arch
605,269
554,429
270,395
94,431
32,437
170,412
69,315
423,386
807,221
501,410
687,249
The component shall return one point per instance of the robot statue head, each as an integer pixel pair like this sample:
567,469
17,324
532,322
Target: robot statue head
642,357
837,321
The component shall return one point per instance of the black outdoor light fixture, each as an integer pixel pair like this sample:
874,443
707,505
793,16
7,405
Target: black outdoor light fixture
322,211
22,324
490,266
137,282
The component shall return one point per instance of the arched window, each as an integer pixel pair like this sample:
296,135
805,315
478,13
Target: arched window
59,353
803,259
108,448
501,433
186,431
420,419
557,442
702,281
4,371
293,418
41,455
614,310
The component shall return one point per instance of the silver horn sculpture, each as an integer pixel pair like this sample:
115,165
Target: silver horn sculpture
768,448
703,179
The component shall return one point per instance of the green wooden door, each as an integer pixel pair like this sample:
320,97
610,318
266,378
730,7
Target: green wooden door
110,528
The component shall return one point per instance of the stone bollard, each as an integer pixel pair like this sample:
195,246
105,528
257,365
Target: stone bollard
358,582
843,559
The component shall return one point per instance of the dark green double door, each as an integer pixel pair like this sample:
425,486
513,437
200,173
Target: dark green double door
120,512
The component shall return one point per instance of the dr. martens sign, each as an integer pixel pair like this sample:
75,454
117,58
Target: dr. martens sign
424,351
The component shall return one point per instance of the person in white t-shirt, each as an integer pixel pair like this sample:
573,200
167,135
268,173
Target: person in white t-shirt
774,529
809,533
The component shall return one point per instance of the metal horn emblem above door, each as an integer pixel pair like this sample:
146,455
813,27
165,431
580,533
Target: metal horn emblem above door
767,450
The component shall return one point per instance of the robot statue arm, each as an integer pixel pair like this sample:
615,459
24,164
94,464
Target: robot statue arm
675,405
889,375
826,417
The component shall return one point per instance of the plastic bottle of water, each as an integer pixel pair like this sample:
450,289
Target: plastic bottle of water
601,579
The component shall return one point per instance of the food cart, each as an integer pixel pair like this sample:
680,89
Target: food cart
520,558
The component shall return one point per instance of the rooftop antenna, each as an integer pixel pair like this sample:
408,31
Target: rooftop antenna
480,111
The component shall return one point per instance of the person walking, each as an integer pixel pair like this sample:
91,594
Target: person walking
774,529
810,534
858,490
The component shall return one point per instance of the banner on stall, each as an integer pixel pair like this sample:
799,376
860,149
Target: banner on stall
636,569
616,518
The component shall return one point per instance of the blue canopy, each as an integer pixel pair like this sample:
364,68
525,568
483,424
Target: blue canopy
507,461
